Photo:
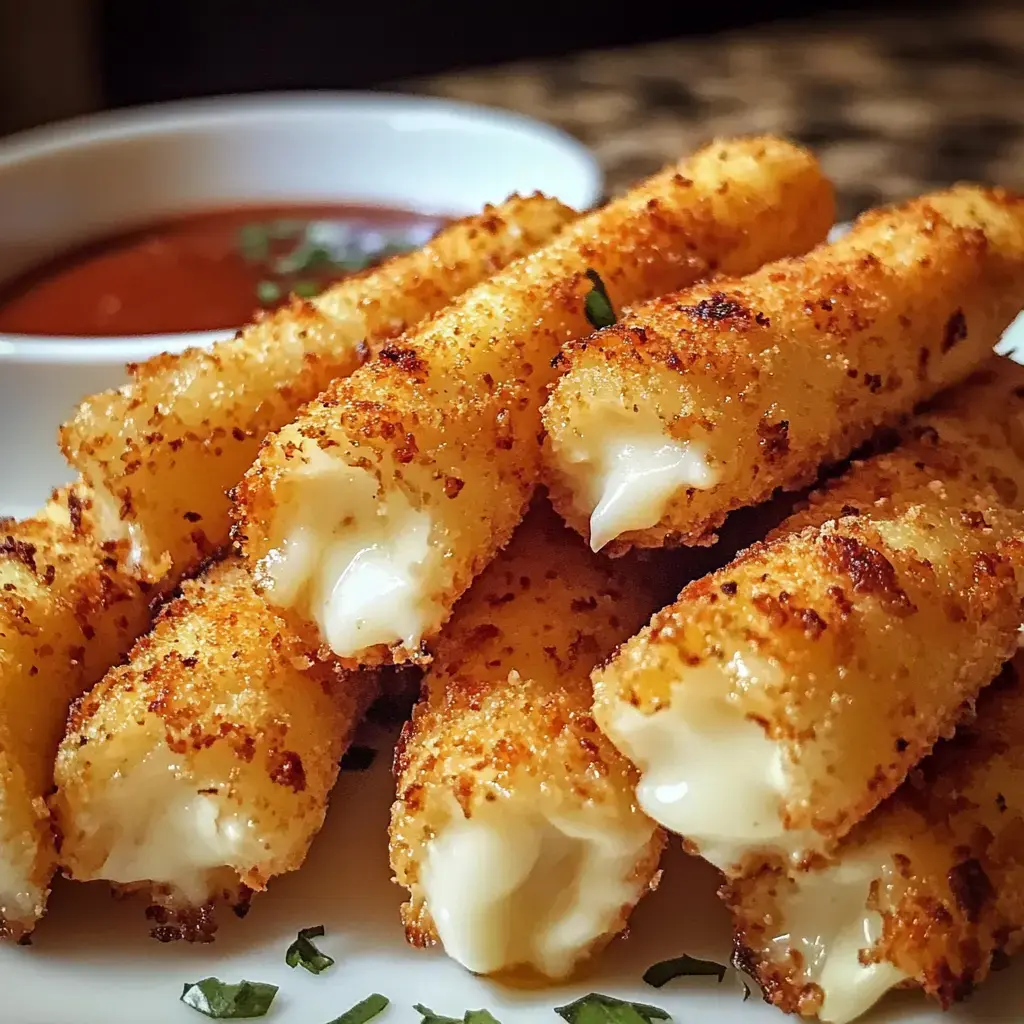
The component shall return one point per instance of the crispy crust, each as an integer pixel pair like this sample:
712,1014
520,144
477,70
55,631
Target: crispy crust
246,710
951,841
452,414
66,614
505,711
795,365
878,611
164,448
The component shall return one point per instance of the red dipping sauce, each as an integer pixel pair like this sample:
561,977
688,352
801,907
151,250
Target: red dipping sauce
205,271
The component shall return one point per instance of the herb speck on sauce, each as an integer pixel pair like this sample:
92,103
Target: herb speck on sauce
205,271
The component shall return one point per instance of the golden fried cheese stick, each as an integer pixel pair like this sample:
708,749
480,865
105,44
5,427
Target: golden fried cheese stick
516,828
710,399
780,699
927,891
161,451
369,515
66,614
202,767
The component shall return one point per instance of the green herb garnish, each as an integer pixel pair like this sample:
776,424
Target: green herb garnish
597,306
304,257
254,242
683,967
303,951
307,289
470,1017
598,1009
268,292
215,998
363,1011
358,758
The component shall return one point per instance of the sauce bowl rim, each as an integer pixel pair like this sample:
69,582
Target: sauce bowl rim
97,129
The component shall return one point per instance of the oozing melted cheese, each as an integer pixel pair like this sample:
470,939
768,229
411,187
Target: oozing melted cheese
708,773
625,471
828,923
125,533
153,824
513,887
19,895
358,562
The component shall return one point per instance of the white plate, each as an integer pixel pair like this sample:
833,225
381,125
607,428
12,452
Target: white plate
92,961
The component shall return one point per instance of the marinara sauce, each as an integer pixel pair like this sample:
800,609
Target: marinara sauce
204,271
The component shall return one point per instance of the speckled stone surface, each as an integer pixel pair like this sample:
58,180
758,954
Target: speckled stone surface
893,106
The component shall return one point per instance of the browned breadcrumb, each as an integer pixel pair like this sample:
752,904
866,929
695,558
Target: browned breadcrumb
66,614
467,405
949,846
247,715
794,366
162,451
877,612
505,723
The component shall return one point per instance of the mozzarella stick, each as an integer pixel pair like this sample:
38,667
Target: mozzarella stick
161,452
516,830
372,513
781,698
708,400
66,614
202,766
928,891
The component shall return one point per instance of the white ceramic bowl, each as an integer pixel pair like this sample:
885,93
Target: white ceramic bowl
72,182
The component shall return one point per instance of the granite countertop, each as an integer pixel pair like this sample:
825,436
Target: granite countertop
892,105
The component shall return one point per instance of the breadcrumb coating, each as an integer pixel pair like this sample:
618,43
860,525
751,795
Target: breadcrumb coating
943,869
201,767
441,429
744,385
162,451
66,614
846,644
503,734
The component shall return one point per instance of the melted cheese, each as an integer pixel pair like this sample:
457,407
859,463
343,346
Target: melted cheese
624,471
124,532
157,826
708,773
513,887
19,895
828,923
358,562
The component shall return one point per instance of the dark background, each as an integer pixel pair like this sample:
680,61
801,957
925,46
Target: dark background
61,57
193,47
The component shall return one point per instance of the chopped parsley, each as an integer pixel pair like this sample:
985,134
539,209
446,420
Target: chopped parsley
363,1011
268,292
221,1001
597,306
600,1009
469,1017
303,951
302,257
683,967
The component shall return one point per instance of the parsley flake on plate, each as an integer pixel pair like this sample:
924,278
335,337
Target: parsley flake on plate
221,1001
303,951
469,1017
363,1011
600,1009
683,967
